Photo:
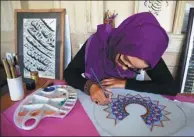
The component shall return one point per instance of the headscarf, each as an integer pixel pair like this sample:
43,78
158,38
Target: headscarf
140,35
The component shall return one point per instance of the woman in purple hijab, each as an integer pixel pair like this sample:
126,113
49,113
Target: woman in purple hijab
112,58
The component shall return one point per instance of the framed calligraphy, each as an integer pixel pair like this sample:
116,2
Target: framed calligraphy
185,73
39,39
163,10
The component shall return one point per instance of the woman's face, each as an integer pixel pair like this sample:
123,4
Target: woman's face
132,62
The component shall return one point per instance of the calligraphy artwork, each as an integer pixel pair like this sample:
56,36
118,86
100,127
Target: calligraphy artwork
39,44
163,10
155,6
186,71
154,117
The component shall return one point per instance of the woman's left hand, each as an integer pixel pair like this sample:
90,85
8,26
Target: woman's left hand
113,83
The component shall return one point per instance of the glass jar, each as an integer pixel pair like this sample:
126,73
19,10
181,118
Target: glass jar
34,75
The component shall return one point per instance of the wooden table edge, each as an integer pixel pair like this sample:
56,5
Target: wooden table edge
9,103
6,101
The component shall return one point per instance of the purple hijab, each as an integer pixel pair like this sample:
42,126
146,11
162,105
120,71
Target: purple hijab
140,35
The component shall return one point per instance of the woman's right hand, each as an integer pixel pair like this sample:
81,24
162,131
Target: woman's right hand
97,95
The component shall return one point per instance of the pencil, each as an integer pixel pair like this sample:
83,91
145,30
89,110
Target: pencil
7,71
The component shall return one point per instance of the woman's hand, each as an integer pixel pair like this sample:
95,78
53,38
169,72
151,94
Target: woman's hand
97,95
113,83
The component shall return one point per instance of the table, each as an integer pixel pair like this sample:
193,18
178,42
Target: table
83,124
6,102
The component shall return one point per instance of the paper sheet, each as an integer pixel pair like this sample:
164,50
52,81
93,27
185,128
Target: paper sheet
188,130
189,124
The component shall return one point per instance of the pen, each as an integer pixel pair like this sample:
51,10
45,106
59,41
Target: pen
106,95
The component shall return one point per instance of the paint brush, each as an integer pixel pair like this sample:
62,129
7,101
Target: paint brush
106,95
11,63
17,67
13,71
6,67
9,58
16,58
106,14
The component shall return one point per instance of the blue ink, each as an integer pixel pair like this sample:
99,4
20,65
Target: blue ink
49,89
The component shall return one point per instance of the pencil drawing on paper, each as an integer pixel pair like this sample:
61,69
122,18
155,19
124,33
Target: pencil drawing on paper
39,45
155,6
154,116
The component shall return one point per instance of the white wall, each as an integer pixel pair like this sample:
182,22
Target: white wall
123,8
83,17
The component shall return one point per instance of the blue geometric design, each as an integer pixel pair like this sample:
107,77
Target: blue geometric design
154,116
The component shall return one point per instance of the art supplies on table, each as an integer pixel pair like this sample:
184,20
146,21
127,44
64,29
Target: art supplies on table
16,89
14,78
54,101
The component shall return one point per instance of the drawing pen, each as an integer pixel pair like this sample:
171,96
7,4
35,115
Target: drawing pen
106,95
6,68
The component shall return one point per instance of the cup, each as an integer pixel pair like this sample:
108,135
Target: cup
16,89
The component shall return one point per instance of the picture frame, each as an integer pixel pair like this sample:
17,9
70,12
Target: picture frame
185,74
179,17
39,41
163,11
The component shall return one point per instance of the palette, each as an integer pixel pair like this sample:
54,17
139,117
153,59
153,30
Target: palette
54,101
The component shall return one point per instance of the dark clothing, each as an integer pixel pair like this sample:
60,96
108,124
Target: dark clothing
161,81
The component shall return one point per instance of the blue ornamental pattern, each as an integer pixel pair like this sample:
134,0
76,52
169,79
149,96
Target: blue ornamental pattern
154,116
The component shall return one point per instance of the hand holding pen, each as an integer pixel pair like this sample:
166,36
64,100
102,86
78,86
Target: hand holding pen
98,93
